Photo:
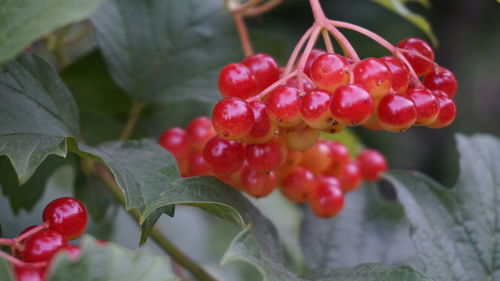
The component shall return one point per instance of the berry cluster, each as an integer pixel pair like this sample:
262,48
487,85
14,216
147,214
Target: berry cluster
64,219
320,174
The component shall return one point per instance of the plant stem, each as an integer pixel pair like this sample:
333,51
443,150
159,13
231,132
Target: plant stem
271,87
246,44
327,40
319,15
31,232
346,46
7,242
135,113
261,9
245,6
377,38
18,262
296,51
310,45
80,35
156,233
58,50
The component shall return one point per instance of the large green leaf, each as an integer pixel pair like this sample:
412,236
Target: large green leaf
157,49
369,272
23,21
369,229
456,231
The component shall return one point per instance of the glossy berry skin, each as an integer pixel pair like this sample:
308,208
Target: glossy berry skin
283,106
316,158
199,131
315,109
400,73
263,128
426,104
43,245
372,164
266,156
67,216
258,184
315,53
351,105
175,141
327,199
298,185
29,273
420,65
441,79
232,118
447,111
222,156
237,80
264,67
396,113
350,177
374,76
339,156
299,139
329,71
307,85
197,165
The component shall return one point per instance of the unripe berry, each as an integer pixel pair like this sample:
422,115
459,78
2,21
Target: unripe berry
266,156
222,156
265,69
67,216
447,111
351,105
420,65
263,129
374,76
313,55
400,73
317,158
327,199
175,141
237,80
299,139
426,104
258,184
396,113
283,106
199,131
298,185
232,118
350,177
339,156
43,245
372,164
441,79
329,71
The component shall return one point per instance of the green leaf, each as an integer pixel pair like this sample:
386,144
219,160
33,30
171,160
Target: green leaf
23,21
349,139
398,7
37,113
5,271
188,41
456,231
369,229
369,272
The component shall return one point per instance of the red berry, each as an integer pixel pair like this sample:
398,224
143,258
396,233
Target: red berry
265,69
298,185
293,159
283,106
441,79
67,216
400,73
232,118
307,85
351,105
426,104
257,184
73,251
317,158
372,164
339,156
175,141
237,80
327,199
43,245
199,131
396,113
222,156
197,165
299,139
329,71
374,76
315,53
266,156
263,129
350,177
29,273
373,124
447,111
315,109
420,65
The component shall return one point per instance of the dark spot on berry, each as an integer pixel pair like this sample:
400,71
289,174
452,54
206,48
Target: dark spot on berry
329,120
225,133
279,120
335,122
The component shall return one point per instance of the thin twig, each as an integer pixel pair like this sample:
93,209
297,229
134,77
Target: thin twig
241,26
262,9
135,113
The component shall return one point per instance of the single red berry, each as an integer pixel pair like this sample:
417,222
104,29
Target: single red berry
307,85
315,109
67,216
298,185
197,165
175,141
299,139
29,273
350,177
441,79
372,164
263,129
400,73
418,47
257,184
222,156
265,69
199,131
396,113
73,251
447,110
232,118
43,245
339,156
426,104
327,199
266,156
313,55
283,106
329,71
351,105
317,158
237,80
374,76
18,250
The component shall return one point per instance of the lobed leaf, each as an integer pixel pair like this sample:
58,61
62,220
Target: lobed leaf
369,272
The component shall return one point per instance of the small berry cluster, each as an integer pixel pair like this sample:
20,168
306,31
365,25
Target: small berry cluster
320,174
64,219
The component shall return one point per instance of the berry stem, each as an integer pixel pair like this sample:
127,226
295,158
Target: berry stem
235,7
327,40
377,38
271,87
30,232
15,261
261,9
310,45
7,242
296,51
346,46
319,15
135,113
246,44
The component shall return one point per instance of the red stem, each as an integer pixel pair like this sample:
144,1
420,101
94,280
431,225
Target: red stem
344,43
377,38
310,45
31,232
271,87
18,262
7,242
296,51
